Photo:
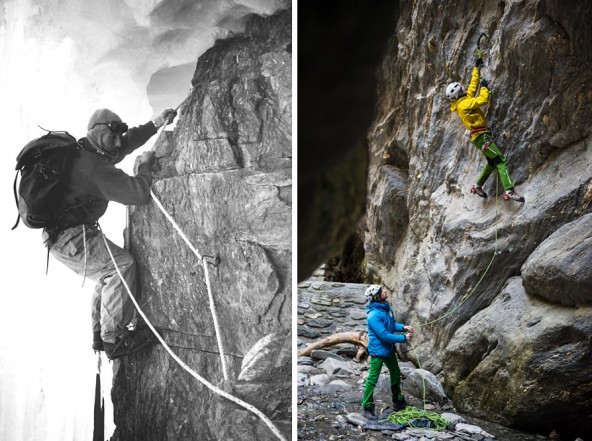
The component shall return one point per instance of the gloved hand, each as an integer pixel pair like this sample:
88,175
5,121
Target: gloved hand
166,117
479,62
485,83
148,157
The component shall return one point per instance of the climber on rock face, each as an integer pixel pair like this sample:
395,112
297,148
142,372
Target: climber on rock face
469,110
77,240
382,336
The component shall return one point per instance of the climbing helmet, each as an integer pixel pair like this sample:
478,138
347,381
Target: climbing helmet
373,292
453,91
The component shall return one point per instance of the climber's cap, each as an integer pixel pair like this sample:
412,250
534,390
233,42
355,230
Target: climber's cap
454,91
105,129
373,293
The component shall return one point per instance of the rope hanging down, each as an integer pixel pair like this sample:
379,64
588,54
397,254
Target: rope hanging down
465,298
207,279
181,363
410,413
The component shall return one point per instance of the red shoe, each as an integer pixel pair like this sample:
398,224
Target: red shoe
512,195
478,190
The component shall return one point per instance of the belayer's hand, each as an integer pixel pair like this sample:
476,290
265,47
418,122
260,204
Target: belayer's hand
485,83
409,336
166,117
479,62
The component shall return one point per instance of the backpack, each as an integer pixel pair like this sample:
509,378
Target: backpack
44,164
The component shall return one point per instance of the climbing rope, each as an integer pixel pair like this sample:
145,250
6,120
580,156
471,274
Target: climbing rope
411,414
206,276
181,363
466,297
416,418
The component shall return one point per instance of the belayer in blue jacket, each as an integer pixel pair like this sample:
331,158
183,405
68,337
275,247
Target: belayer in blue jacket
382,329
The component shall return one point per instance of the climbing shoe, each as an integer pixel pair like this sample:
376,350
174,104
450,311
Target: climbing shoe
369,413
97,343
128,343
399,404
478,190
512,195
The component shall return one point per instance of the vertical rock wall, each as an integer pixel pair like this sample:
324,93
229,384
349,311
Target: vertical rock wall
512,351
226,179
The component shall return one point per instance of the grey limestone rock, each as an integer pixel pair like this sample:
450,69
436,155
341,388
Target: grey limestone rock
560,268
225,178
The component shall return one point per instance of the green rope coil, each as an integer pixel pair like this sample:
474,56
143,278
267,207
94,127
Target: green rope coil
410,413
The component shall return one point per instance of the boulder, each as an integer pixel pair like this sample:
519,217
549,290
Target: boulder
418,379
560,268
523,360
337,367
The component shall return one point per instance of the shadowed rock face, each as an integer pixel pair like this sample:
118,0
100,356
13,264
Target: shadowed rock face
339,49
225,177
507,351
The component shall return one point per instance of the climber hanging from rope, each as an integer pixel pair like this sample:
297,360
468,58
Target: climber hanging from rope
76,240
468,105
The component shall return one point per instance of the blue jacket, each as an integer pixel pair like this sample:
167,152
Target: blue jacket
381,328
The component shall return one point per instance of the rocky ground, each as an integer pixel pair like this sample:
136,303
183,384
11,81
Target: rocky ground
330,387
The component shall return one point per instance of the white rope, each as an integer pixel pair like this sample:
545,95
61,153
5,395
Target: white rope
207,279
194,374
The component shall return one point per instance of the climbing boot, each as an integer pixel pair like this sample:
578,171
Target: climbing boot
399,402
128,343
478,190
512,195
369,413
97,343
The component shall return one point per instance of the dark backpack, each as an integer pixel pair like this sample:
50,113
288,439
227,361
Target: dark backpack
45,165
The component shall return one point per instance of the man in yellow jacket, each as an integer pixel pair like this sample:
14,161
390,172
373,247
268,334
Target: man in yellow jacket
469,109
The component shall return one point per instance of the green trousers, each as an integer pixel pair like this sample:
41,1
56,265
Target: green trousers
495,159
375,367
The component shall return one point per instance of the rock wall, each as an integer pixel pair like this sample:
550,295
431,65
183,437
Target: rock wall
225,177
327,308
513,349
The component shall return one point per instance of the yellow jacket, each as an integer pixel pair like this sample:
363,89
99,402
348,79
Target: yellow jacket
469,107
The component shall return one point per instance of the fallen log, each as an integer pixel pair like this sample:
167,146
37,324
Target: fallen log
359,338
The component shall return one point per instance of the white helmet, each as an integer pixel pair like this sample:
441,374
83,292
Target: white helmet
373,292
453,91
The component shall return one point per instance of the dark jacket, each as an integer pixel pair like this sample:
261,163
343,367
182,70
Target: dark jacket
381,330
94,180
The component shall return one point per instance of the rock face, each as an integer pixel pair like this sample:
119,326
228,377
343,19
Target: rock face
513,337
336,99
226,179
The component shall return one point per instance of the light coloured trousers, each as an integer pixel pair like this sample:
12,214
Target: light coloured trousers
112,308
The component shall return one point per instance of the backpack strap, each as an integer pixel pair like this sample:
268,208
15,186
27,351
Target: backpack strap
18,217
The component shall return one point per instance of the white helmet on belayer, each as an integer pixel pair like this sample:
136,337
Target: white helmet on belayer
454,91
373,292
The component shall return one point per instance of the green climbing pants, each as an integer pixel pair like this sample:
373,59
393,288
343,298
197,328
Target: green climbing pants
375,367
495,159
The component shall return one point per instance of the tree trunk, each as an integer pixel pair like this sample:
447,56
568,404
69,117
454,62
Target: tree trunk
360,339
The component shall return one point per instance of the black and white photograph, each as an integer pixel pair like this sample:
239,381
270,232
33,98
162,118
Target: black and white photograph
147,283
